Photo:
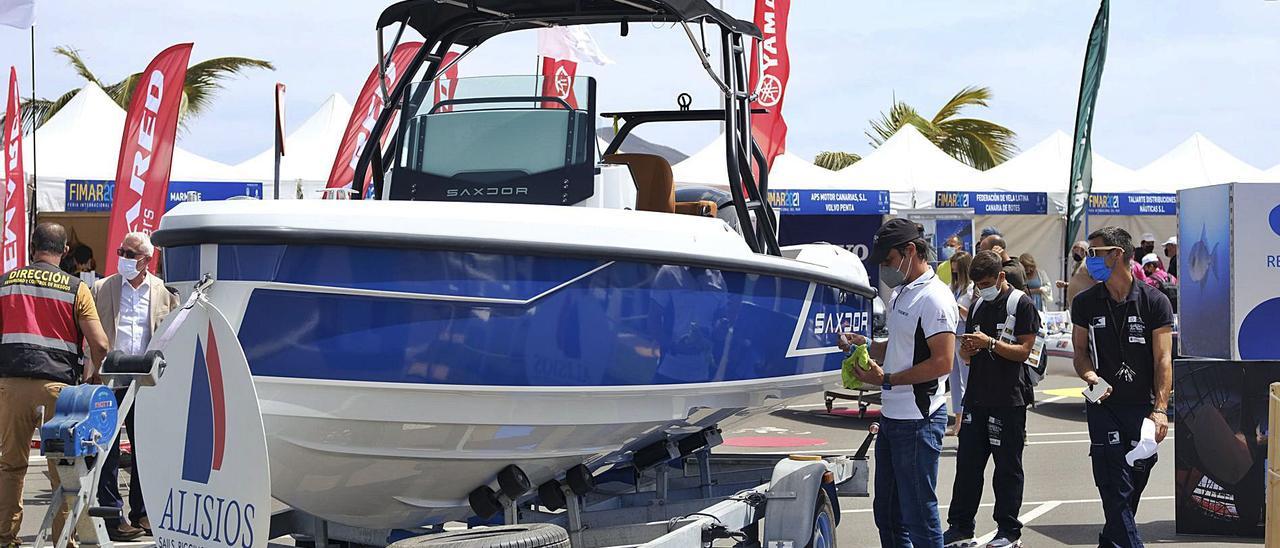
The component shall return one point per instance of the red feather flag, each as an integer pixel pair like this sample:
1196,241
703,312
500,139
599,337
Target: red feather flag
770,130
146,149
15,187
365,114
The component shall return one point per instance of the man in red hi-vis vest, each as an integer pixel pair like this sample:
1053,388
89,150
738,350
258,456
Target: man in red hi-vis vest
44,315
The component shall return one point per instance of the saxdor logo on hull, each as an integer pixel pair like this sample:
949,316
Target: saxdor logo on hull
207,468
824,317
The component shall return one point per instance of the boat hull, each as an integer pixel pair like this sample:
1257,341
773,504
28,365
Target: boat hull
395,380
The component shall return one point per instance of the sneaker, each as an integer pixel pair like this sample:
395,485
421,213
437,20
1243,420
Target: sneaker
955,538
1005,540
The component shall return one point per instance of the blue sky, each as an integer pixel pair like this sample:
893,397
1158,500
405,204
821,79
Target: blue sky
1174,66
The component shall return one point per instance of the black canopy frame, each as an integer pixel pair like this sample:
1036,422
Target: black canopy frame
468,23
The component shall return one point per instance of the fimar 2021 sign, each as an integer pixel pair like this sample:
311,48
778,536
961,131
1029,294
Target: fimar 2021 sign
96,195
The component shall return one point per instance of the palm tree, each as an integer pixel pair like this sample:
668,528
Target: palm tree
204,79
835,161
979,143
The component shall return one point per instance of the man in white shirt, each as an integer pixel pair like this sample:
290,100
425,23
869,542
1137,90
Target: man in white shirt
922,318
131,304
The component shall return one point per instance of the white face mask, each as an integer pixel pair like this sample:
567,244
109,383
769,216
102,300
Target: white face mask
128,268
989,293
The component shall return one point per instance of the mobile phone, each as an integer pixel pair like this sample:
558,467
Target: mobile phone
1094,393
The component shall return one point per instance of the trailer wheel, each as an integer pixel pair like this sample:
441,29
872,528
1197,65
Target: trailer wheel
532,535
824,523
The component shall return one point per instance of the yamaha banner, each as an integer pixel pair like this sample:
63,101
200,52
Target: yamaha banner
995,203
830,202
15,186
1132,204
146,149
364,116
770,129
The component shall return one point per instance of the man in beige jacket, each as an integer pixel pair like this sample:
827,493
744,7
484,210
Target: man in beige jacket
131,304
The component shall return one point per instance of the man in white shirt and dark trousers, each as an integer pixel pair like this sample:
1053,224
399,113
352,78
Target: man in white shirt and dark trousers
131,304
922,318
995,405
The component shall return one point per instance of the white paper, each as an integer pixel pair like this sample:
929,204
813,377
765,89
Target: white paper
1146,446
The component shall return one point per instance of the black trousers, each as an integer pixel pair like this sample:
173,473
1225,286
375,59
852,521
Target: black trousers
989,432
109,484
1114,429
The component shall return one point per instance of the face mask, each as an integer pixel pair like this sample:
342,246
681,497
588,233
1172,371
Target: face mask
1098,268
893,277
128,268
948,252
989,293
1077,257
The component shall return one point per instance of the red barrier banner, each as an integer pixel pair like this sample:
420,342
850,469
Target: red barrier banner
363,117
15,186
770,130
146,149
557,81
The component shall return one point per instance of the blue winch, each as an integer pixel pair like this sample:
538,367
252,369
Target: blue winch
84,418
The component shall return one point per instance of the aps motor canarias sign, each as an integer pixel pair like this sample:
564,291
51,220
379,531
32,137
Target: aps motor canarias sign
203,456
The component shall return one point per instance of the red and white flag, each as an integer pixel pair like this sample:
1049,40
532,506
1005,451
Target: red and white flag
445,82
363,117
146,149
770,130
15,187
561,48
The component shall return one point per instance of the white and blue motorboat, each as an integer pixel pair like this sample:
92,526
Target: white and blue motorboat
508,297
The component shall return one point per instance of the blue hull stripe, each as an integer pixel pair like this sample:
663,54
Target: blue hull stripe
625,325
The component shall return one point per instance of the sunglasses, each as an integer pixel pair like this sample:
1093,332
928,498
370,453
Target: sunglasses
1102,250
129,253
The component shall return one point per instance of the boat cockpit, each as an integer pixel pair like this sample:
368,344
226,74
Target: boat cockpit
498,139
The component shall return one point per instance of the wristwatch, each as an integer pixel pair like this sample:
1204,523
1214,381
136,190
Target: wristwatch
885,384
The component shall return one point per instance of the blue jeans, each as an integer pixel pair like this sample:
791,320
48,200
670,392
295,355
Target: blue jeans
906,503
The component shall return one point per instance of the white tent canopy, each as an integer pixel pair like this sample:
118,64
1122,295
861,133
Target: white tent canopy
908,165
789,171
309,152
1046,167
1195,162
82,141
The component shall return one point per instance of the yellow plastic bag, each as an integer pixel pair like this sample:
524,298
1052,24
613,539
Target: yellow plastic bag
860,358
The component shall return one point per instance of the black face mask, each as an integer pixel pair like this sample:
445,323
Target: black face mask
1077,257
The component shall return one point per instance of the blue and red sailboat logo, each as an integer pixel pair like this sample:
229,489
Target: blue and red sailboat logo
206,415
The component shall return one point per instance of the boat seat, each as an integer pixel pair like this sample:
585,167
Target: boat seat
655,186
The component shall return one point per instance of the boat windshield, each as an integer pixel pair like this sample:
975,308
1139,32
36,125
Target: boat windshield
519,139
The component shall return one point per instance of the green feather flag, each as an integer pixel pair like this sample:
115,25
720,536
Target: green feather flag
1081,151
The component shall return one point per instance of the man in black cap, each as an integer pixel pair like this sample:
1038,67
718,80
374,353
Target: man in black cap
922,318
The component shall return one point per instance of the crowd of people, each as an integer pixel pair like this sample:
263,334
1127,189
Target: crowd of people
982,333
56,326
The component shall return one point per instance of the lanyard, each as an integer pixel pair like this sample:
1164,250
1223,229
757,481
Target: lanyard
894,305
1118,326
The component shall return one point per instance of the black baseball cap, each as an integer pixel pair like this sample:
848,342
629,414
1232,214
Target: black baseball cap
891,234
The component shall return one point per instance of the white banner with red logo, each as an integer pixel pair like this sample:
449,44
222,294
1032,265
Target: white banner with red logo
146,149
557,81
15,187
446,81
363,117
770,129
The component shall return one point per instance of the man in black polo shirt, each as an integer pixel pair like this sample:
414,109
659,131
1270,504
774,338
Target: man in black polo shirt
995,405
1014,273
1123,335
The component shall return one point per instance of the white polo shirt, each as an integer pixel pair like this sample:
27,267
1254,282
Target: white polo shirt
917,311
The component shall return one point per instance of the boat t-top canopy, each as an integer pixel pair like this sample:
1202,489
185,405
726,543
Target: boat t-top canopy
484,19
468,23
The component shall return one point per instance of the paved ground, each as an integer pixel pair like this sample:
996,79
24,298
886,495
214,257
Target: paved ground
1061,507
